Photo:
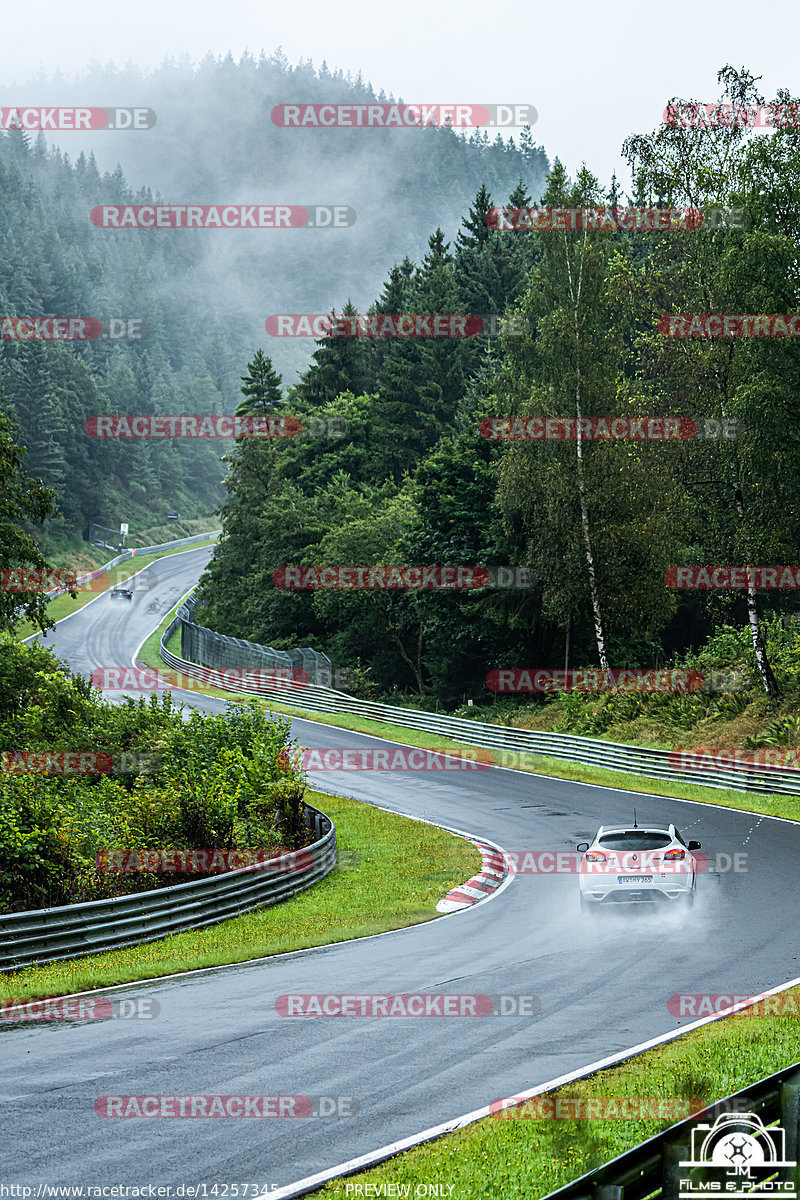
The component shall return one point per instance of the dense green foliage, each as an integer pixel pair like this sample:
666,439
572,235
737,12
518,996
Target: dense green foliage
214,781
599,521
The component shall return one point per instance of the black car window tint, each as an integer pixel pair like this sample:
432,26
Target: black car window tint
635,839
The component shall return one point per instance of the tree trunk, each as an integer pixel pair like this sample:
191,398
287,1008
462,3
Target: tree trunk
597,615
764,669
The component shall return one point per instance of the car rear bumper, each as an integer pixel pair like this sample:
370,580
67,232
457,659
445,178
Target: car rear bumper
647,894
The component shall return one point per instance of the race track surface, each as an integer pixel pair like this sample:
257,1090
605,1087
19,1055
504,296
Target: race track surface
603,984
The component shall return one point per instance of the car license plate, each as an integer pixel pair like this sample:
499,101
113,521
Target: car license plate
634,879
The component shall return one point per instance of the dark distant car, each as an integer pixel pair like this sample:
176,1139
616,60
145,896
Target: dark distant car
124,590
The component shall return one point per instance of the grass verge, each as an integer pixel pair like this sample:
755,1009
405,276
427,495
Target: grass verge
512,1155
66,605
394,871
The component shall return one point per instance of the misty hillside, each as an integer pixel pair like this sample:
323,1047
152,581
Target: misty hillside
203,295
214,142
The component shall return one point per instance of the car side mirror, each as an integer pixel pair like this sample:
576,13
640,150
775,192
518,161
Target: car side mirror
694,845
582,846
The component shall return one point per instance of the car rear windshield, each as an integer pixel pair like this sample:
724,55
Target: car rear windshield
635,839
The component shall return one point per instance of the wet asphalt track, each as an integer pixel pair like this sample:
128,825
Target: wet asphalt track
603,984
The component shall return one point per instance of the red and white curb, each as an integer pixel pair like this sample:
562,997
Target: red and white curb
492,873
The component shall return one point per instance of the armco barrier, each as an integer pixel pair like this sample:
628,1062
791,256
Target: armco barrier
48,934
638,760
132,553
211,652
652,1168
197,537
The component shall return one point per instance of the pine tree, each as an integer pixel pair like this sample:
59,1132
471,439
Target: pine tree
262,388
477,231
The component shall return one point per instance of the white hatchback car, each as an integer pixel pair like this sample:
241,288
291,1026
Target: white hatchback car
627,864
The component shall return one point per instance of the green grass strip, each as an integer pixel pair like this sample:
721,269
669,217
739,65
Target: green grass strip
521,1154
394,872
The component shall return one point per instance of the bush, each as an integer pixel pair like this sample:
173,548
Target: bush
37,869
223,780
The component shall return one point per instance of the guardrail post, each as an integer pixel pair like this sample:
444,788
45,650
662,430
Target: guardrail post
671,1173
790,1121
608,1191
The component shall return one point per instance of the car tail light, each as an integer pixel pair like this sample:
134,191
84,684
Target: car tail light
595,856
674,854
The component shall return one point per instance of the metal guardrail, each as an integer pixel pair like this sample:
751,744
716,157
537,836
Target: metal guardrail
508,744
652,1168
132,553
73,930
187,541
211,654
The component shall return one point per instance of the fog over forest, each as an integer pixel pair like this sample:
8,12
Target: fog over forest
214,142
